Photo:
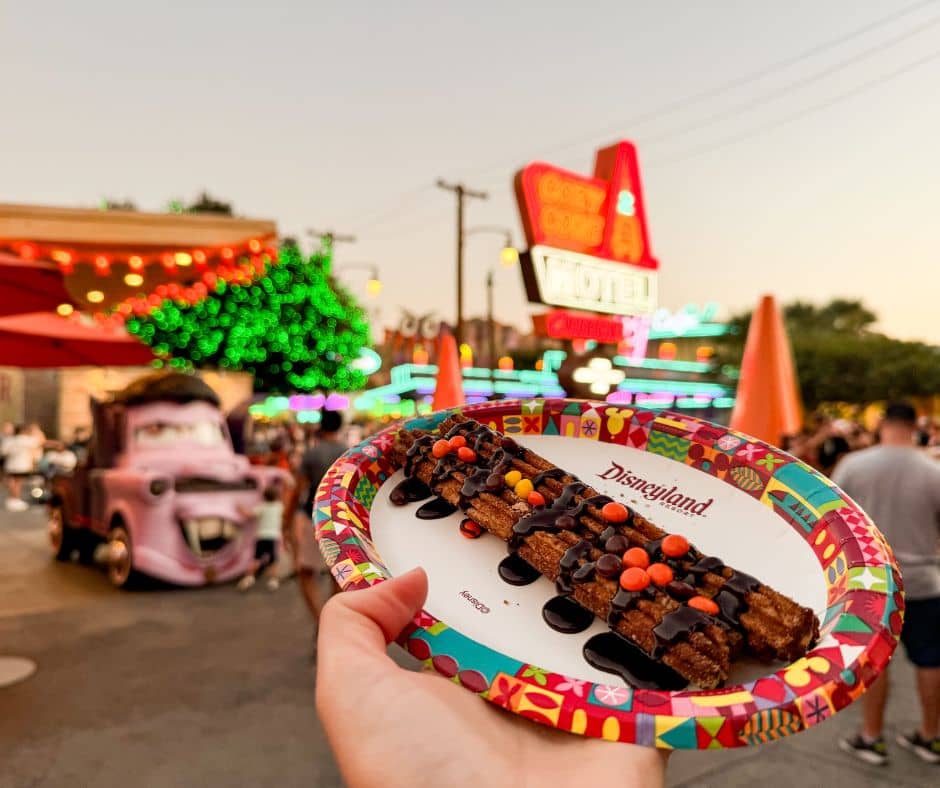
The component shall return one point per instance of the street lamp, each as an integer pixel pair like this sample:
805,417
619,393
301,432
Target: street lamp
508,257
373,284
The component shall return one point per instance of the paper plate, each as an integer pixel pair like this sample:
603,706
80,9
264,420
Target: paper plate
751,504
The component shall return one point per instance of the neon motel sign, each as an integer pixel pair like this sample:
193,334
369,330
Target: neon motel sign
588,242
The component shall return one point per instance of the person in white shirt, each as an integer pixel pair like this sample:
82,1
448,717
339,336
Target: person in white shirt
269,515
20,454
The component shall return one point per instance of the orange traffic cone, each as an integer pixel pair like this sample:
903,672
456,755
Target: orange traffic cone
448,393
768,400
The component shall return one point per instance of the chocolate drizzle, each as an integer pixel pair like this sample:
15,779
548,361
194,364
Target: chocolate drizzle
613,653
565,615
409,490
569,571
435,509
517,572
581,562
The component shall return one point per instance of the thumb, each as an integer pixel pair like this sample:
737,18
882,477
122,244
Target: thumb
367,621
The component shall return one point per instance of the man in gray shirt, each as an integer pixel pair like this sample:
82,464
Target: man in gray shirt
899,487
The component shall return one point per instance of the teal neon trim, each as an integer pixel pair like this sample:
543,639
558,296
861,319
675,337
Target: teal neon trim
642,385
656,363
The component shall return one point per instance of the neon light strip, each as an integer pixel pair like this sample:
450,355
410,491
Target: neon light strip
702,330
673,387
656,363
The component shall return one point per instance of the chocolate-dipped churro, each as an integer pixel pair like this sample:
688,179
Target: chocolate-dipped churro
685,610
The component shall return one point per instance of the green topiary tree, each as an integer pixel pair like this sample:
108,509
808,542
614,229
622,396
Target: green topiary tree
293,328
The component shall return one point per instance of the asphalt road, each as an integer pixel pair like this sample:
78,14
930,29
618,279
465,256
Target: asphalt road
211,687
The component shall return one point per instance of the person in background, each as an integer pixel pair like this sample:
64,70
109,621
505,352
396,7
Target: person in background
81,437
313,466
268,514
899,487
21,454
7,431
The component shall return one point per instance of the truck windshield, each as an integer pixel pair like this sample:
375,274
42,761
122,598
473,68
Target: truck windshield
162,433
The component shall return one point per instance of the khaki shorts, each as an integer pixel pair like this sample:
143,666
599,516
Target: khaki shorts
308,553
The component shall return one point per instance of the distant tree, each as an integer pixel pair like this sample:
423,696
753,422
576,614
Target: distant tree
204,203
107,204
840,359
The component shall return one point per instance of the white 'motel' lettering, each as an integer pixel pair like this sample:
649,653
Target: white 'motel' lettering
577,280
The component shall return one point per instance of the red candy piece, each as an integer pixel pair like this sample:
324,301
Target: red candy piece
675,546
636,556
536,499
614,512
634,579
704,604
458,441
466,454
440,449
470,529
660,574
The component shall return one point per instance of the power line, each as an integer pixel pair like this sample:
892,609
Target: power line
783,90
838,98
380,216
697,98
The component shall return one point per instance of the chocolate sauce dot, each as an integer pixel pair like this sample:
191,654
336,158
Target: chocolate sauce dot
566,522
494,482
616,544
608,565
680,590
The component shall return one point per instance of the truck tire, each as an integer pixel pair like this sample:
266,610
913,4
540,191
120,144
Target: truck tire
121,570
63,538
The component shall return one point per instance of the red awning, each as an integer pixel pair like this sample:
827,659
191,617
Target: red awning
30,286
43,339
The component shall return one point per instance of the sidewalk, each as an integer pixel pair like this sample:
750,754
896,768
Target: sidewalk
232,672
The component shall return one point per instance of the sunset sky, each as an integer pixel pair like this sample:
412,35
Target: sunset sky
797,152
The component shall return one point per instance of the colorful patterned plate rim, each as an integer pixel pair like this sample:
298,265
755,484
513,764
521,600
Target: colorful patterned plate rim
860,619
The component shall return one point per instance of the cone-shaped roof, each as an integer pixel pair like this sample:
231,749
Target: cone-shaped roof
448,393
768,399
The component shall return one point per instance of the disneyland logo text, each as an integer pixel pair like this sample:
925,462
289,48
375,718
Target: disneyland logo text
670,497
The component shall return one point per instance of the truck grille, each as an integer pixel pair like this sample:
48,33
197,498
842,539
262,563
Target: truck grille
197,484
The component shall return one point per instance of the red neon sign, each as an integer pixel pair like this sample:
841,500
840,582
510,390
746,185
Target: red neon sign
601,216
561,324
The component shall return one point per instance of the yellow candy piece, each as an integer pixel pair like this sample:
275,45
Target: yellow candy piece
512,478
523,487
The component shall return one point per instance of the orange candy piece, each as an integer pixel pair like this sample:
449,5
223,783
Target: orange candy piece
614,512
458,441
634,579
675,546
466,454
704,604
440,449
636,556
536,499
660,574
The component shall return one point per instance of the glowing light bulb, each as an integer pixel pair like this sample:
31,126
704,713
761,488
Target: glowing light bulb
133,280
95,296
135,263
373,287
509,255
183,259
65,309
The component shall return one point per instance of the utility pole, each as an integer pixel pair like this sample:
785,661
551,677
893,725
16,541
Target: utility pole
490,320
461,191
328,237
